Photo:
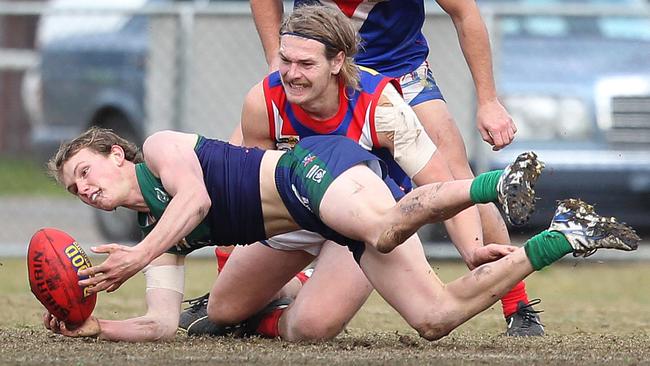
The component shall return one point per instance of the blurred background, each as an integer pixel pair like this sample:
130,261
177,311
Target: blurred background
575,75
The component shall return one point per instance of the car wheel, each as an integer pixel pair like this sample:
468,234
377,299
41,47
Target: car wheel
120,225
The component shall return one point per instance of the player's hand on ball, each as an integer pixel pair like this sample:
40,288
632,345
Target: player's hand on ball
122,263
89,328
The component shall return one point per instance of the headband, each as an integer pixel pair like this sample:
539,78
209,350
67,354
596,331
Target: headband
317,39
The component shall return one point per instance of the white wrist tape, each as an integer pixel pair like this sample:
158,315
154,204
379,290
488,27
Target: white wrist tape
169,277
412,147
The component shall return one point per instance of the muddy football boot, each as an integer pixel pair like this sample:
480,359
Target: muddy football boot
587,231
525,321
515,187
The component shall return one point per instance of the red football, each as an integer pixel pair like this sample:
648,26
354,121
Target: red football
53,260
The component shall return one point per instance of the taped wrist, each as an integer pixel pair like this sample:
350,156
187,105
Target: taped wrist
169,277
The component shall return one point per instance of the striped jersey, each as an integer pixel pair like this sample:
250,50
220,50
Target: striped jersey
355,118
391,32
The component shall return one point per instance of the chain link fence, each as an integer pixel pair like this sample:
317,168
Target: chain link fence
140,67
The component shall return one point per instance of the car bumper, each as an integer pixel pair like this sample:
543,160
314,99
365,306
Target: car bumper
45,140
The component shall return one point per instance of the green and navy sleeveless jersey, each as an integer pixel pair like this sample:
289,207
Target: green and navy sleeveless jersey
157,200
231,177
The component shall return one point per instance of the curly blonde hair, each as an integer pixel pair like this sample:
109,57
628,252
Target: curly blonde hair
98,139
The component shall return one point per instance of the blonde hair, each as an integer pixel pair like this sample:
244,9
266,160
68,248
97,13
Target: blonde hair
331,28
100,140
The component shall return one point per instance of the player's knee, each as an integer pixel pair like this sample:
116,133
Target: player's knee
391,237
434,328
437,321
312,326
220,312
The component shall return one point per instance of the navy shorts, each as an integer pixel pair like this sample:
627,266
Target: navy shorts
303,175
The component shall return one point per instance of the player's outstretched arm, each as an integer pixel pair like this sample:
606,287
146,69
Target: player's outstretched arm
169,155
160,322
164,292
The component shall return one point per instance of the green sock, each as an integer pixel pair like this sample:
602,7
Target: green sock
484,187
546,248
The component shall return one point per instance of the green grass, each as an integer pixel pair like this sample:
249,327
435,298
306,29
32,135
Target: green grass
595,313
24,176
592,297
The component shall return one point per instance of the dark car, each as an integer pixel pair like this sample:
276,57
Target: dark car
96,69
578,87
92,72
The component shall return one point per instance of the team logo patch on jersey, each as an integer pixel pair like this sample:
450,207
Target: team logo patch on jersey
308,159
316,173
161,195
287,143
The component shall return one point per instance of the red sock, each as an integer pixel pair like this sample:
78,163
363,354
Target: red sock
511,299
222,257
269,324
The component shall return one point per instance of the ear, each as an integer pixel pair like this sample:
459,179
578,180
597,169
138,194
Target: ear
337,63
117,154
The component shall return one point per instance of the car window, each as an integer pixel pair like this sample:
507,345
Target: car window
59,25
633,28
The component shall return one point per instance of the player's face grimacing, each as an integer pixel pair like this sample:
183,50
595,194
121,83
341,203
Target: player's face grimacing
94,177
306,73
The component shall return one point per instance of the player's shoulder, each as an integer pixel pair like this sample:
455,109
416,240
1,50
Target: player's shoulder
372,80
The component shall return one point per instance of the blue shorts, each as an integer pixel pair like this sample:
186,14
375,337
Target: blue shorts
419,86
303,175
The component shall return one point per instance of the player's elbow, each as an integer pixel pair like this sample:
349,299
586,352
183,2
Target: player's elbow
154,330
203,205
196,200
166,332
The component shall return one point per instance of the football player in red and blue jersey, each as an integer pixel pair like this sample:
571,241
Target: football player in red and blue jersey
393,44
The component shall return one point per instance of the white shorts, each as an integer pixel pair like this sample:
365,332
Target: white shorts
420,86
304,240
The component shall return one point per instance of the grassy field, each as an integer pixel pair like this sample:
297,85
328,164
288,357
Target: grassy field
595,313
24,176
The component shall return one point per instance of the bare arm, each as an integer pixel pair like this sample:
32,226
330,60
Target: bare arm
159,323
267,15
255,121
493,121
169,155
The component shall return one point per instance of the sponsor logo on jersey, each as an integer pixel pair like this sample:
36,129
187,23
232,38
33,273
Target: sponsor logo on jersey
316,173
161,195
308,159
